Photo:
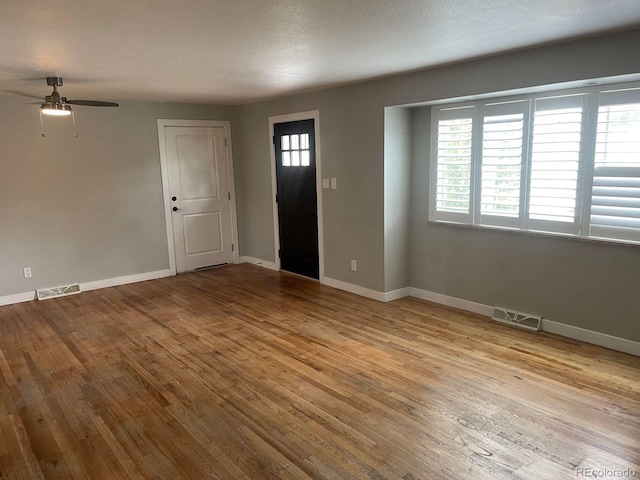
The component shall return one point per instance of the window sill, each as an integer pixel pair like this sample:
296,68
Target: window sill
533,233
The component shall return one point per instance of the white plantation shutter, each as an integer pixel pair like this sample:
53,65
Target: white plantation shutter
503,147
555,163
560,163
453,165
615,204
615,198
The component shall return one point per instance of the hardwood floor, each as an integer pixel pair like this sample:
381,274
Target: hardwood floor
244,373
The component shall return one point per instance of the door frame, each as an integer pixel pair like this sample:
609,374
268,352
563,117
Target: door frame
166,194
293,117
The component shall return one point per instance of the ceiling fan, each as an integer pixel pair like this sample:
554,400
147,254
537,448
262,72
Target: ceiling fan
55,104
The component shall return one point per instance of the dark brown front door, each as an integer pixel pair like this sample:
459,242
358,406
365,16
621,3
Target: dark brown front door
297,197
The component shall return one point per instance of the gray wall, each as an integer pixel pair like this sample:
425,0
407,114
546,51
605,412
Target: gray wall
583,284
397,195
88,208
351,152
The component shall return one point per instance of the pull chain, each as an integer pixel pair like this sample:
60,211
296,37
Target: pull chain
73,117
42,125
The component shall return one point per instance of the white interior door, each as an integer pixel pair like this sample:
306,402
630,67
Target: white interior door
200,197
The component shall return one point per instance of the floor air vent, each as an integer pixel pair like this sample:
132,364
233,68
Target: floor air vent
54,292
519,319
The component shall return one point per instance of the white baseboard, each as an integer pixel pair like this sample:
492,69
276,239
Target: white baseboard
340,285
109,282
114,282
451,301
589,336
562,329
259,262
17,298
351,288
396,294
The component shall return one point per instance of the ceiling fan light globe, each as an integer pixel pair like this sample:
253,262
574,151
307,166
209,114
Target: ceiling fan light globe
55,109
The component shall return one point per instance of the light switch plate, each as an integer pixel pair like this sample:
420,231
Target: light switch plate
325,183
334,183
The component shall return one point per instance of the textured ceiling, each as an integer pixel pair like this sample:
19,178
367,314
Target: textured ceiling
239,51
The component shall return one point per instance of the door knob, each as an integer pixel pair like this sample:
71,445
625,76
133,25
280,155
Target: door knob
176,209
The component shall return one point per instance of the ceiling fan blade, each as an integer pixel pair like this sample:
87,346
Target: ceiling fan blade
92,103
23,94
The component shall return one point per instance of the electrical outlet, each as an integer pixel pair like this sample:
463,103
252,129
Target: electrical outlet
354,266
27,272
334,183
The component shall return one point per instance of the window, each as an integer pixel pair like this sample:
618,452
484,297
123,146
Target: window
562,163
453,175
295,150
555,159
615,197
501,157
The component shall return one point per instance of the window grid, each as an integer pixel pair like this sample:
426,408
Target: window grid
558,169
295,150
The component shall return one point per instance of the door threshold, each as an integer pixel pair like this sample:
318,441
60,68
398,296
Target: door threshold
208,267
300,275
